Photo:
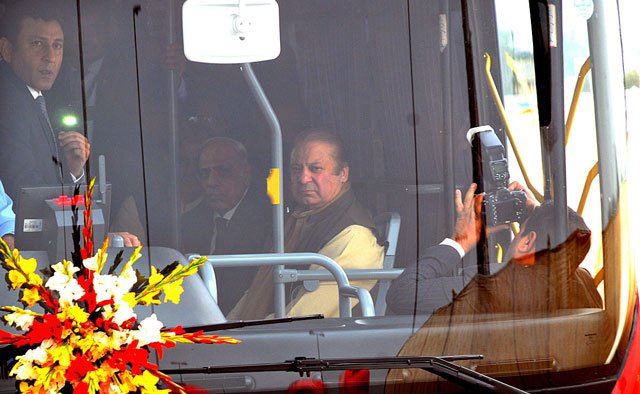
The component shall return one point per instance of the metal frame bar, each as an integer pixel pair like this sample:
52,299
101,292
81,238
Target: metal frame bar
282,276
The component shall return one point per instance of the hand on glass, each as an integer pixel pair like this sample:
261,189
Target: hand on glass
76,150
468,218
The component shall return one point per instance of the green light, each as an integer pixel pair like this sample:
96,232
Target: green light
70,120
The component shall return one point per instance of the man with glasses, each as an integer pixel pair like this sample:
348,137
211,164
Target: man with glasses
232,218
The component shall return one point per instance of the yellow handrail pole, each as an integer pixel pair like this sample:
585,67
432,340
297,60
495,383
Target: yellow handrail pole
503,116
593,172
584,70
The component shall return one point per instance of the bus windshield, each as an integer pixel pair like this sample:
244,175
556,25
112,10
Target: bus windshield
454,178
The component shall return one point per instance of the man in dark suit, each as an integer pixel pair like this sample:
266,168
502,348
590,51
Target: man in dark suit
31,152
522,283
232,218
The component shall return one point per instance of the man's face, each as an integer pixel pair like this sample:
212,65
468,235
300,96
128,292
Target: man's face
36,55
223,176
314,180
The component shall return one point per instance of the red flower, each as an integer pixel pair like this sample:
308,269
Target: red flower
189,389
131,355
48,326
79,367
48,299
354,382
81,388
86,282
311,386
158,347
7,337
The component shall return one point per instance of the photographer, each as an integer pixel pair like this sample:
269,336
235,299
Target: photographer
431,282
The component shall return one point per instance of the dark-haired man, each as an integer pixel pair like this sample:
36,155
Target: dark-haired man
328,220
433,281
31,151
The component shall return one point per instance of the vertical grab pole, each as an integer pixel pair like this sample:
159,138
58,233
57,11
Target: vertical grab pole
175,149
274,182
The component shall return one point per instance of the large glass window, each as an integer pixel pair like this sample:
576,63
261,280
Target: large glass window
375,99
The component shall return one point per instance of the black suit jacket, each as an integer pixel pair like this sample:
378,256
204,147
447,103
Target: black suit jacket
427,285
27,145
248,231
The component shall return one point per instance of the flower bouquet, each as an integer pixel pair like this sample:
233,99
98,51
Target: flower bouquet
88,338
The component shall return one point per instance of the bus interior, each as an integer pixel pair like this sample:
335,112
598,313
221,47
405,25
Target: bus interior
402,83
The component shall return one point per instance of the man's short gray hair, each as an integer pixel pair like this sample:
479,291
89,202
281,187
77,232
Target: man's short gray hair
235,144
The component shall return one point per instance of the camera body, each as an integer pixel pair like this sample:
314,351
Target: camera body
505,206
501,205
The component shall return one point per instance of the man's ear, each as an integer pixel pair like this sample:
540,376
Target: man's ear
246,175
527,244
344,174
6,49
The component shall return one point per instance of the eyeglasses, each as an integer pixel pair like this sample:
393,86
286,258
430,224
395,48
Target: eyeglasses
219,171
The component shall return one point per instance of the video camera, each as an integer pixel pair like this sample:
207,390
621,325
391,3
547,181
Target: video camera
500,204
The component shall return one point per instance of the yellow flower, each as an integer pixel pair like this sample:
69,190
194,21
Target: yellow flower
155,277
16,278
97,344
31,296
75,313
147,382
94,378
124,380
34,279
172,291
101,256
149,297
44,377
130,298
28,266
28,389
61,354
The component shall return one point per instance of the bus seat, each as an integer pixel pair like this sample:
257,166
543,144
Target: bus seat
388,227
196,307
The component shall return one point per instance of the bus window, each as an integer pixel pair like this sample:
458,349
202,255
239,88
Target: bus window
384,186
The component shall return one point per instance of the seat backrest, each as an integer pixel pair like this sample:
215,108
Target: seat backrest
196,307
388,227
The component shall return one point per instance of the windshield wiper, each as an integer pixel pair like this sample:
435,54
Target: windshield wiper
250,323
441,366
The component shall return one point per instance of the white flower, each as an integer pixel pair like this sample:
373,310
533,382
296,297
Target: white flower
110,286
20,320
70,293
128,278
149,331
123,313
91,263
104,286
119,338
38,355
64,283
24,370
66,268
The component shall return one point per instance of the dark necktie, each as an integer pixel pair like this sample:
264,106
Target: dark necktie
220,230
43,108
